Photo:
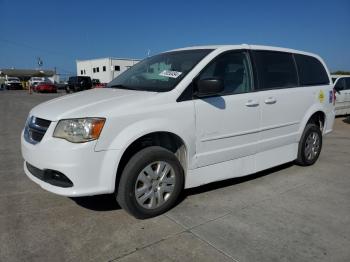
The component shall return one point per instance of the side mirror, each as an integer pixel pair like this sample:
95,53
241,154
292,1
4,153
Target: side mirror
337,90
209,87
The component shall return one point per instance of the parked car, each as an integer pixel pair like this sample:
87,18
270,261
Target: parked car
12,83
96,83
181,119
78,83
2,83
33,81
62,85
342,87
45,87
34,84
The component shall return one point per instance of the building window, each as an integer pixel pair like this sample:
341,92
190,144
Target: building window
84,72
94,70
97,69
116,68
104,68
81,72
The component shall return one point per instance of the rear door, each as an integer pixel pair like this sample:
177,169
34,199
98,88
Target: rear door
289,84
283,106
227,125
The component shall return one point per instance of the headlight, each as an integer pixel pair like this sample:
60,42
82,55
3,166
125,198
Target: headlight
79,130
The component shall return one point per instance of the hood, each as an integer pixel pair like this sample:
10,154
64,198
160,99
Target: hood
92,103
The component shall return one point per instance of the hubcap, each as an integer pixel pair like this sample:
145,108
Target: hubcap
312,146
155,184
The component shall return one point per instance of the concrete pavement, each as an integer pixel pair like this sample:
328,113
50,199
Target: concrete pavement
288,213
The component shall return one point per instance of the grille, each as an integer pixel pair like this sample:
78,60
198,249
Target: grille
35,129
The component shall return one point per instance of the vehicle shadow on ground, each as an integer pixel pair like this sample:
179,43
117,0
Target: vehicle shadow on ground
347,120
98,203
233,181
109,203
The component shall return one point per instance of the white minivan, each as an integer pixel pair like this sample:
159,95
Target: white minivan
181,119
342,88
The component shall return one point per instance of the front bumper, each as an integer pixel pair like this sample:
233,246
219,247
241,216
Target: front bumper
14,86
90,172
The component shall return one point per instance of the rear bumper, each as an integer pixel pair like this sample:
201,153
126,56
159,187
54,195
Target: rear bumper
329,122
14,86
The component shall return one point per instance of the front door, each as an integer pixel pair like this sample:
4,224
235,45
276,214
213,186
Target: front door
227,125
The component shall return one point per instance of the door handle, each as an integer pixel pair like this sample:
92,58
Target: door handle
270,101
252,103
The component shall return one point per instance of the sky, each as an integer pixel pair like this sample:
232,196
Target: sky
61,32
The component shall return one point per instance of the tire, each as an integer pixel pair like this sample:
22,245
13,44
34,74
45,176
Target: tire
310,145
148,202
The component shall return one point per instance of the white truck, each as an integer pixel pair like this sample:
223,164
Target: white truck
181,119
12,83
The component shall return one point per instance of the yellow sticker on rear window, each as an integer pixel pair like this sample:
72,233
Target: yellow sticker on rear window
321,96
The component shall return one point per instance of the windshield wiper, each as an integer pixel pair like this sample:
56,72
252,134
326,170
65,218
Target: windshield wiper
121,87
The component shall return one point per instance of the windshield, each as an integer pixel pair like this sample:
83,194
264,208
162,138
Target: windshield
160,73
13,79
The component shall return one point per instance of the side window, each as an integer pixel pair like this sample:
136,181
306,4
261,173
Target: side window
340,85
275,70
234,69
347,82
311,71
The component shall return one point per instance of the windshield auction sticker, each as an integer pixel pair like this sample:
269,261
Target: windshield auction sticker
172,74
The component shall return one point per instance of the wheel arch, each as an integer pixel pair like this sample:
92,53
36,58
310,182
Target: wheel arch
315,115
166,139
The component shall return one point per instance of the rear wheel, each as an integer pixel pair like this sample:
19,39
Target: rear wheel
151,182
310,145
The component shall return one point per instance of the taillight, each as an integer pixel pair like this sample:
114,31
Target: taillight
334,96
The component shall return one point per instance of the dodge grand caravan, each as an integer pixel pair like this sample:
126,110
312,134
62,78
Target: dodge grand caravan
181,119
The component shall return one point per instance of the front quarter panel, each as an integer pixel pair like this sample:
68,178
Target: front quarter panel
178,118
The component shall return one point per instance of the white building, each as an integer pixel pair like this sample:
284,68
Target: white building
104,69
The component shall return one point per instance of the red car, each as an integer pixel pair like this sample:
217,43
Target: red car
97,84
45,88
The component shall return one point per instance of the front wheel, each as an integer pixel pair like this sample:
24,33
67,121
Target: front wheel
310,145
151,182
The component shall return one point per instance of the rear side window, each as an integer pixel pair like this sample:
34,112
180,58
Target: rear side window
275,70
311,71
347,82
340,85
72,79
